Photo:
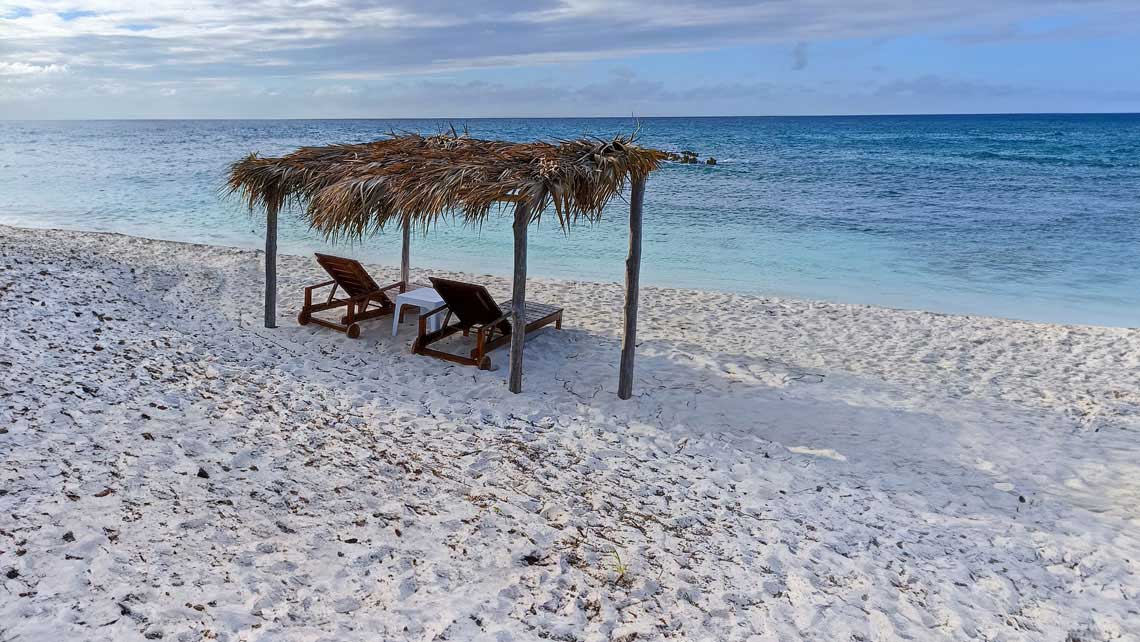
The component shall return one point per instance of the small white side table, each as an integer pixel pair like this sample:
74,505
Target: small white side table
426,299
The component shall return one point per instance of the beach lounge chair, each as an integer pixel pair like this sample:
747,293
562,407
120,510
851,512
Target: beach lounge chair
475,311
365,299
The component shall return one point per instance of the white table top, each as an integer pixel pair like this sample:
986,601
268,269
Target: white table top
425,295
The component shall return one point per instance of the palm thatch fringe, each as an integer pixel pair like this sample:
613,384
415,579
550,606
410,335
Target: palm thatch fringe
352,191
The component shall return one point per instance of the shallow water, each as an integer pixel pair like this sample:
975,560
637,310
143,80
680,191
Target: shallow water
1033,217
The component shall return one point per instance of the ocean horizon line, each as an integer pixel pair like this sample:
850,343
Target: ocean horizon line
566,117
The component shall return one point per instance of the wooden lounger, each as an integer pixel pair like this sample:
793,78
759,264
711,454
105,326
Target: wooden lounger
362,291
475,310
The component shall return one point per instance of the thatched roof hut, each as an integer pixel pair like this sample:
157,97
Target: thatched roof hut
409,181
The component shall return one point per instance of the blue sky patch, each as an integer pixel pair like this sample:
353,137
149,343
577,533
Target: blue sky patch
75,14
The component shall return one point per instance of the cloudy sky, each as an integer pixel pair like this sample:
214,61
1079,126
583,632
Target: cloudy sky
432,58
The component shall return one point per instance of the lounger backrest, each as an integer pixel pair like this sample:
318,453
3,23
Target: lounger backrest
350,275
472,304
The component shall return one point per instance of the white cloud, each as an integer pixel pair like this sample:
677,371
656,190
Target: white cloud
335,90
357,38
26,69
116,47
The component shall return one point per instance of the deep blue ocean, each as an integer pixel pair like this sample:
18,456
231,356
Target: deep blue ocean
1033,217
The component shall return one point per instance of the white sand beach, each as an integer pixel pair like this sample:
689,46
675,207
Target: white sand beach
787,470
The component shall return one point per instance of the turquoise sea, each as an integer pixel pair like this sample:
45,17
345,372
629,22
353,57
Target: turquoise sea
1024,216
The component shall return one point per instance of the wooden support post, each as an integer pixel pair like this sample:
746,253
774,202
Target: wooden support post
271,268
632,282
406,257
518,298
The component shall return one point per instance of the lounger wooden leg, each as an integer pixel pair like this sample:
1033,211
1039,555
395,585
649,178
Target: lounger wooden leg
480,343
353,328
303,315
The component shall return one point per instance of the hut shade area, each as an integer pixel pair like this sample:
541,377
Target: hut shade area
411,181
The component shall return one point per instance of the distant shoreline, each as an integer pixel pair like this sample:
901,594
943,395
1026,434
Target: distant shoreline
630,118
557,280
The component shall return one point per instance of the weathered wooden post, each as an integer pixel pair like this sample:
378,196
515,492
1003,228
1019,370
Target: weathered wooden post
632,282
406,256
271,267
518,298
